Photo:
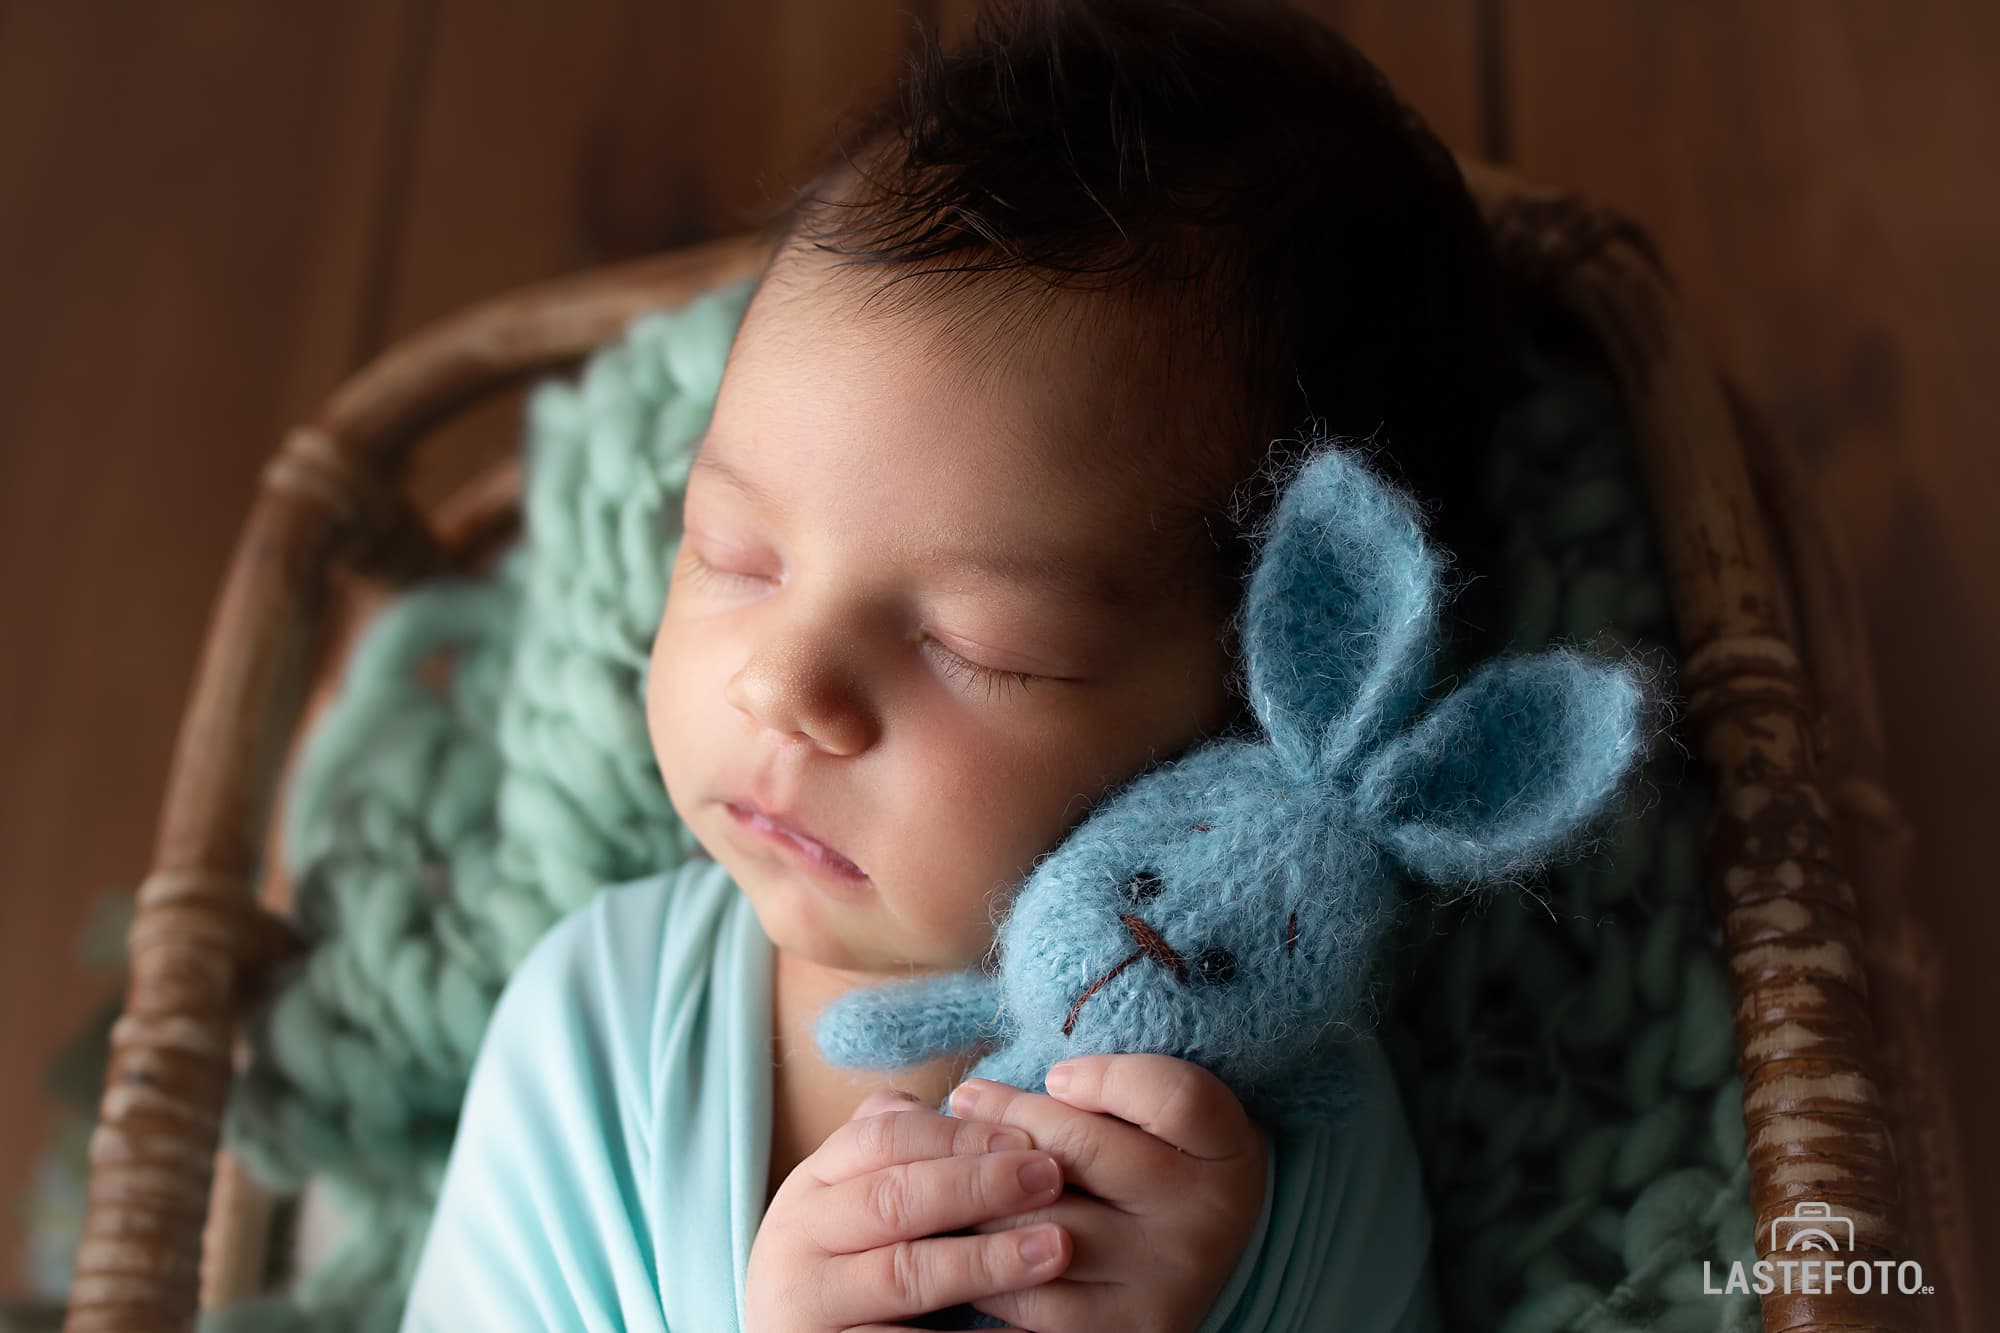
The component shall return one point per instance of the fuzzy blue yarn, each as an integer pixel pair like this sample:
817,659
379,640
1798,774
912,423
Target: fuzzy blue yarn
1226,906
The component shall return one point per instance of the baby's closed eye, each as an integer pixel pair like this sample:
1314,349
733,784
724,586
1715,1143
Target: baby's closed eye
704,572
976,675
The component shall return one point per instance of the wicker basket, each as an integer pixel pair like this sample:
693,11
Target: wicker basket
1835,1028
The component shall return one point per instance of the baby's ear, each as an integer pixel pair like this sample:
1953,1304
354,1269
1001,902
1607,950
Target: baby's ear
1495,780
1340,615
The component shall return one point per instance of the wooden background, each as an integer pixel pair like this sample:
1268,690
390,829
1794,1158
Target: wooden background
211,212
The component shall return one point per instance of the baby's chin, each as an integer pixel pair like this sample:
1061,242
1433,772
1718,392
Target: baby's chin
855,940
803,918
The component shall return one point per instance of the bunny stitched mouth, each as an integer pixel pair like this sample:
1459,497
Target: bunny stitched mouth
1214,966
1150,942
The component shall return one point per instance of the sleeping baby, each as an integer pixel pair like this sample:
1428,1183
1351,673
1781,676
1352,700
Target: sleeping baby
964,547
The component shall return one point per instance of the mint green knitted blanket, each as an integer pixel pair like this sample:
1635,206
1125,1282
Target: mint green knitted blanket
1566,1054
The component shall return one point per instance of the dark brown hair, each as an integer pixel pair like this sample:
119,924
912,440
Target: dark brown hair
1232,169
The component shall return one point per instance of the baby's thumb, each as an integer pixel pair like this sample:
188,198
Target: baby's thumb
886,1099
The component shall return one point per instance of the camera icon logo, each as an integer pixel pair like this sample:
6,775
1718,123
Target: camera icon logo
1812,1226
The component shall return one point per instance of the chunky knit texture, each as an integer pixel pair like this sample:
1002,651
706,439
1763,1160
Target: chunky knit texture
1566,1053
1226,907
434,836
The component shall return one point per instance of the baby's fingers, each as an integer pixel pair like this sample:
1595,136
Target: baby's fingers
902,1133
924,1198
915,1277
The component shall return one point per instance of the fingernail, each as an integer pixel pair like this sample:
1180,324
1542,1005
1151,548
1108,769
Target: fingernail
1038,1247
1058,1078
1039,1176
1009,1140
964,1099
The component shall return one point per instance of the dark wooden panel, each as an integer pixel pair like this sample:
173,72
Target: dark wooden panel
1429,52
190,198
552,138
1820,180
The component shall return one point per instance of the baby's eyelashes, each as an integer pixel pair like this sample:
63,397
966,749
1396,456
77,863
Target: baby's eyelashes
954,665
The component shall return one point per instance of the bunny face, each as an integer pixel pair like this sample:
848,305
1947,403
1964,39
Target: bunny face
1209,911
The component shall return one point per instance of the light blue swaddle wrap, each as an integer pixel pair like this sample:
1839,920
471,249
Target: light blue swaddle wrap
611,1160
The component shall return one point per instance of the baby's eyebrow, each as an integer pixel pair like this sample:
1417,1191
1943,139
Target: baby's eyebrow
706,461
1087,583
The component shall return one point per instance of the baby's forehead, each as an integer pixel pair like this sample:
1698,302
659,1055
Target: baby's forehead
1007,321
1135,428
1132,390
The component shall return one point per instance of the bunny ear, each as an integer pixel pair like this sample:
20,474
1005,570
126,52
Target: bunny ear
1340,612
1494,781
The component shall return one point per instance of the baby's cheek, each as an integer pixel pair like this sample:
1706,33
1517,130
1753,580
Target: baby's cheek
964,869
659,684
674,723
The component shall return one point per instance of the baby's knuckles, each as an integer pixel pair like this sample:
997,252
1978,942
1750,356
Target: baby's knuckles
875,1138
1080,1145
1195,1231
792,1272
897,1194
890,1136
1188,1094
1165,1282
1208,1242
1195,1217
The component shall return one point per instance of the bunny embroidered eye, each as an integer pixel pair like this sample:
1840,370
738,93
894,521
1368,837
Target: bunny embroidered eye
1291,932
1143,887
1215,966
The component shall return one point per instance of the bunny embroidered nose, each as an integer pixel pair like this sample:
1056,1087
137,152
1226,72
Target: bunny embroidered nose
1154,946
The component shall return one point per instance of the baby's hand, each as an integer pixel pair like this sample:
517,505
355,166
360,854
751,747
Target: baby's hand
839,1248
1173,1173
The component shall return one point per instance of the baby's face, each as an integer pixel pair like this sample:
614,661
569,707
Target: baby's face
861,524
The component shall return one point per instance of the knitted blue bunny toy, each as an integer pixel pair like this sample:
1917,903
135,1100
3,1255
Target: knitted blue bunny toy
1225,907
